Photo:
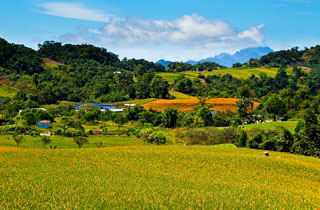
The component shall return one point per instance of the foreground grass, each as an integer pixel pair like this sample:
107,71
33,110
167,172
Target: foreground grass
150,177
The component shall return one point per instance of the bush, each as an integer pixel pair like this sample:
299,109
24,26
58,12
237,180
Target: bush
45,140
255,141
242,139
208,136
156,138
80,141
268,145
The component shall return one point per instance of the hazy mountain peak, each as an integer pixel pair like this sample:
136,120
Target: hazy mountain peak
226,59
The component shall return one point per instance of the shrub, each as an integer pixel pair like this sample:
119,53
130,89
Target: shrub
156,138
255,141
242,139
19,139
268,145
80,141
45,140
208,136
99,144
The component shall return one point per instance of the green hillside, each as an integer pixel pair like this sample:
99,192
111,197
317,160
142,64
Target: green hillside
240,73
7,91
151,177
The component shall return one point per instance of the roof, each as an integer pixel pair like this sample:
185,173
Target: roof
45,121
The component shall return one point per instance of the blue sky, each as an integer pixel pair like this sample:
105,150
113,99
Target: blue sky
170,29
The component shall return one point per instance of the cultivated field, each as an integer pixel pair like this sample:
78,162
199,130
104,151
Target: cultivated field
241,73
220,104
157,177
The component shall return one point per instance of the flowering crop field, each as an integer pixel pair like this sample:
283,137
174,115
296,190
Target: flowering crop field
157,177
219,104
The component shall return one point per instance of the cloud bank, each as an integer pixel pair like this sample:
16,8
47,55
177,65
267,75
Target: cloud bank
193,32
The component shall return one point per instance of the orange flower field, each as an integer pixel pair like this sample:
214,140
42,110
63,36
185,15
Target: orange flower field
219,104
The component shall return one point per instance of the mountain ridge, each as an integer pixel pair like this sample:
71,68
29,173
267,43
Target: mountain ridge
226,59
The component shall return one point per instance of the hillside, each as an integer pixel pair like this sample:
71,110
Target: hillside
169,177
240,73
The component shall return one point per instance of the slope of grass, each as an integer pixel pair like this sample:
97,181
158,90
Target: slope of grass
7,91
181,96
290,125
150,177
240,73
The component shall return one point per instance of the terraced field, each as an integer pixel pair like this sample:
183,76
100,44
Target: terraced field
220,104
157,177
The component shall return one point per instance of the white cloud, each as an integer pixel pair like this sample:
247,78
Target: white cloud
185,37
253,33
75,11
189,28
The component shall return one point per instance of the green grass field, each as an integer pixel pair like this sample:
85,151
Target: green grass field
240,73
290,125
181,96
157,177
65,142
7,91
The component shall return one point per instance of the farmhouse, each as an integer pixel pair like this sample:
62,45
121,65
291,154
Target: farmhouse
101,107
43,124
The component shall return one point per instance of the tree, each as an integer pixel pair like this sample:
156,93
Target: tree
275,105
281,79
170,118
29,118
159,88
307,140
45,140
80,141
245,108
203,111
242,139
120,120
19,139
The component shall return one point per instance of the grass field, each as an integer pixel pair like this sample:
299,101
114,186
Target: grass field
65,142
241,73
181,96
7,91
157,177
290,125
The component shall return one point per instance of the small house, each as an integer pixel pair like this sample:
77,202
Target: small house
43,124
130,105
101,107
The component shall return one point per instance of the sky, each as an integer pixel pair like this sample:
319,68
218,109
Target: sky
176,30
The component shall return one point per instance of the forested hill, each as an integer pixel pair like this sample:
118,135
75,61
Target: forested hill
85,73
293,57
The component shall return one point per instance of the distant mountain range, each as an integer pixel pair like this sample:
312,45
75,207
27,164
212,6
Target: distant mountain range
228,60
